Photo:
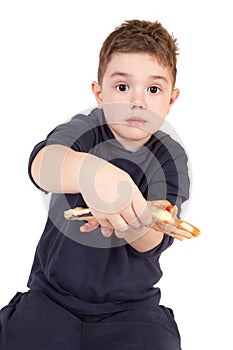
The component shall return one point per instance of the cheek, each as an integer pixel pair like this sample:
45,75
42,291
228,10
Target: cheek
107,92
159,105
112,97
116,112
110,94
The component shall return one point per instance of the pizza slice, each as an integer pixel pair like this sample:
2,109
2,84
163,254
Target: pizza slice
164,219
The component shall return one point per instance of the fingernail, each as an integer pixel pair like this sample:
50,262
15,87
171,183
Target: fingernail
106,232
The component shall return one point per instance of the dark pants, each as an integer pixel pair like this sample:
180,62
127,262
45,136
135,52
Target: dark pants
32,321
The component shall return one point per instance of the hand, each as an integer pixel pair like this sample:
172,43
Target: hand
164,221
113,198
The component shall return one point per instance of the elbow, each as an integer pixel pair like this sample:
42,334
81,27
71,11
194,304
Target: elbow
53,169
35,170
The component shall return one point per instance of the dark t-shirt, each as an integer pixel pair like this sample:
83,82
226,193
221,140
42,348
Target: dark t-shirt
87,272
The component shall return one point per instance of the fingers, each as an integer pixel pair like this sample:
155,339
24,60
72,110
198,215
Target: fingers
142,212
106,232
92,225
130,218
132,234
134,217
161,204
175,211
89,226
164,205
122,220
107,223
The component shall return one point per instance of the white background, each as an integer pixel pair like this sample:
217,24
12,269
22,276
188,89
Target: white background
49,55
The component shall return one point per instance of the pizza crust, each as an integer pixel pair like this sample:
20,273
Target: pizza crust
166,216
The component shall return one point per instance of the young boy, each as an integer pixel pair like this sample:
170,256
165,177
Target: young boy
92,285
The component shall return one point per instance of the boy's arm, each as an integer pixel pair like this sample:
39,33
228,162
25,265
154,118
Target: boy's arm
55,169
148,241
111,194
59,169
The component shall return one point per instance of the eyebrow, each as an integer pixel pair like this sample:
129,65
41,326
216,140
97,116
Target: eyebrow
120,74
154,77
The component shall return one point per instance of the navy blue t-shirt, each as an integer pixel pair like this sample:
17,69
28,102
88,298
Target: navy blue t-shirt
87,272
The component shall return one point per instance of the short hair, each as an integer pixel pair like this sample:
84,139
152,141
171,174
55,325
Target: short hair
139,36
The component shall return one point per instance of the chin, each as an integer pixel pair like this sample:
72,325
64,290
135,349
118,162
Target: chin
137,134
131,133
137,137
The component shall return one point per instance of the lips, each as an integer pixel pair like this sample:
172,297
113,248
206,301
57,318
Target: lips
137,121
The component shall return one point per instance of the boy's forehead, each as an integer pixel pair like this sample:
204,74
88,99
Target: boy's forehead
136,63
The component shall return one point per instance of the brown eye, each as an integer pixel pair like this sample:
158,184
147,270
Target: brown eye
154,89
122,87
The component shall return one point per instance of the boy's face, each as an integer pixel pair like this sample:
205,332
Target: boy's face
136,94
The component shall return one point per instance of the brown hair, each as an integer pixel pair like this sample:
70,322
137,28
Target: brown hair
135,36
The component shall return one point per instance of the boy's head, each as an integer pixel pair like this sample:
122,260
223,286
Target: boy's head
136,79
136,36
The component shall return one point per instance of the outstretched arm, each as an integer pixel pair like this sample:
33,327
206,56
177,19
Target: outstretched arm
55,169
111,194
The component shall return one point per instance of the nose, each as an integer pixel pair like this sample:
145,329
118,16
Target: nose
138,100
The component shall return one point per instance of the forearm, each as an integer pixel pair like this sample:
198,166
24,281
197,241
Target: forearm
56,169
148,241
59,169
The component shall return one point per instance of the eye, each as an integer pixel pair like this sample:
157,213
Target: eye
154,89
122,87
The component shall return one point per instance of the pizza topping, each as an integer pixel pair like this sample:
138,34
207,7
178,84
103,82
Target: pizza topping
164,215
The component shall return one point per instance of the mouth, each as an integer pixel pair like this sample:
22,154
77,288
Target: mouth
136,121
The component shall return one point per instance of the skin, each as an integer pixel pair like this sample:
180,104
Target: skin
139,83
143,89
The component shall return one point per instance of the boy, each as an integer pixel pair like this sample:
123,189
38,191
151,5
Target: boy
92,284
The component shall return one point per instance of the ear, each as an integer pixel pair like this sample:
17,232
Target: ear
96,89
174,96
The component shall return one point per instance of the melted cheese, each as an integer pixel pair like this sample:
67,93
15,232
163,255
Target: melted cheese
186,226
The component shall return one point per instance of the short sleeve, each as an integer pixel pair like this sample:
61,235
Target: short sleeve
79,134
34,152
